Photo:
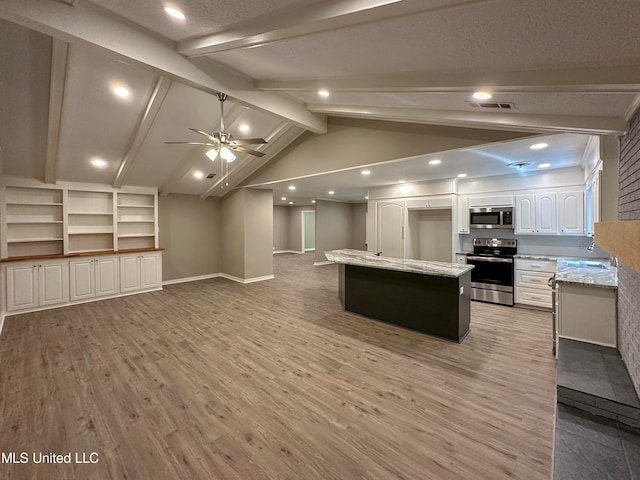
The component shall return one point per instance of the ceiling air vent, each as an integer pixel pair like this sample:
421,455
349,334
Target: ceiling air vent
520,164
492,105
211,175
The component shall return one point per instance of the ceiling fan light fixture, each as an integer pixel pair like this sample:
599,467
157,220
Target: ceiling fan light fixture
227,154
212,154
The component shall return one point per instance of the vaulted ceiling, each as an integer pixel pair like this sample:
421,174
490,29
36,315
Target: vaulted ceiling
562,67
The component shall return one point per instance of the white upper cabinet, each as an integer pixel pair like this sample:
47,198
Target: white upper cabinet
463,214
525,214
571,213
546,220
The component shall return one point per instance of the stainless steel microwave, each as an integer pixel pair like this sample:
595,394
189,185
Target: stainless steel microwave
491,217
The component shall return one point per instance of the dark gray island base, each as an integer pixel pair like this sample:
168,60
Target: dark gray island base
430,297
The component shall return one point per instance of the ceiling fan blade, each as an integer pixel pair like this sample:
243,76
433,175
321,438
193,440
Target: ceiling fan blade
208,135
248,150
249,141
192,143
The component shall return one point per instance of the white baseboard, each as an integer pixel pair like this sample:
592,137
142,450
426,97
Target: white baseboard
309,250
317,264
246,280
2,315
191,279
287,251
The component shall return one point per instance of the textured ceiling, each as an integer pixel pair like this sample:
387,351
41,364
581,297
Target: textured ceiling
569,67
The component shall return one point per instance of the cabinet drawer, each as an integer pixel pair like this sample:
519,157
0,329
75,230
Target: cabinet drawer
530,296
538,280
536,265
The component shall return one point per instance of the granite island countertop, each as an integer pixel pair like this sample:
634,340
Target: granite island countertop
370,259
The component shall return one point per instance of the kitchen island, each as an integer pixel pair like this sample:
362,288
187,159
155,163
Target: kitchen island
430,297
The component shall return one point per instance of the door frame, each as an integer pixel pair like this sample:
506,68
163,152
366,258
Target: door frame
302,222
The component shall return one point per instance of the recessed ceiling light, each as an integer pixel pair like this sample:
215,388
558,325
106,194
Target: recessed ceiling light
324,93
544,165
174,12
98,162
291,203
401,181
313,201
244,128
198,174
331,192
462,175
366,197
291,187
435,161
539,146
120,91
283,198
482,95
366,172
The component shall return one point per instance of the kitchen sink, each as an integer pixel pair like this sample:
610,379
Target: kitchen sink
584,264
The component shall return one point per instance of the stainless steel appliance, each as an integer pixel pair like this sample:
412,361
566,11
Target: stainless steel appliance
492,277
491,217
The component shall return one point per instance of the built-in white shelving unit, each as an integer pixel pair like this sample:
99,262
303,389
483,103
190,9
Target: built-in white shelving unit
89,221
136,220
33,222
41,220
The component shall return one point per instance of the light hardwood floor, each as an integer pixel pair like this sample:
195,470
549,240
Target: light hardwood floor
218,380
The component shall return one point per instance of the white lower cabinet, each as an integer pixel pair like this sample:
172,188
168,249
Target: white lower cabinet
140,272
532,282
37,284
94,277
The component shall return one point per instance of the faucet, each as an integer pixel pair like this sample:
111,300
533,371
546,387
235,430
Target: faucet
614,261
592,246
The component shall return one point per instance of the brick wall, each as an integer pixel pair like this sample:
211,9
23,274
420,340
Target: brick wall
629,279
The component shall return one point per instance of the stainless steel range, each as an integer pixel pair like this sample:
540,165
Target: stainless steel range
492,277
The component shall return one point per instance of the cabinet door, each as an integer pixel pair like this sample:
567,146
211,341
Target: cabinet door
107,276
22,287
571,213
525,214
391,229
150,270
463,214
129,273
53,283
546,220
82,279
372,226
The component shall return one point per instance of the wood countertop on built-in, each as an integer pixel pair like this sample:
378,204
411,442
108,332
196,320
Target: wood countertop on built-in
79,254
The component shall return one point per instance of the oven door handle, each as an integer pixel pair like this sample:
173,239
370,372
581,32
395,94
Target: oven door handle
490,259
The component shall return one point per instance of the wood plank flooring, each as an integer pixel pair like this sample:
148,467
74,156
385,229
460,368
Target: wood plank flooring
272,380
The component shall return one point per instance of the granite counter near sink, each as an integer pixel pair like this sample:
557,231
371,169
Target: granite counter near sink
606,276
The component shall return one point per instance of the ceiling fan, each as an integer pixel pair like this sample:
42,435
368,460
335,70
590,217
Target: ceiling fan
222,142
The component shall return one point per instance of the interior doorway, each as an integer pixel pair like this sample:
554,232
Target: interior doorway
308,230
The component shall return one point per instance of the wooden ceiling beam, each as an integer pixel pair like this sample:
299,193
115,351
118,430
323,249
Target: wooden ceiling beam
145,122
283,24
621,79
494,120
59,65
